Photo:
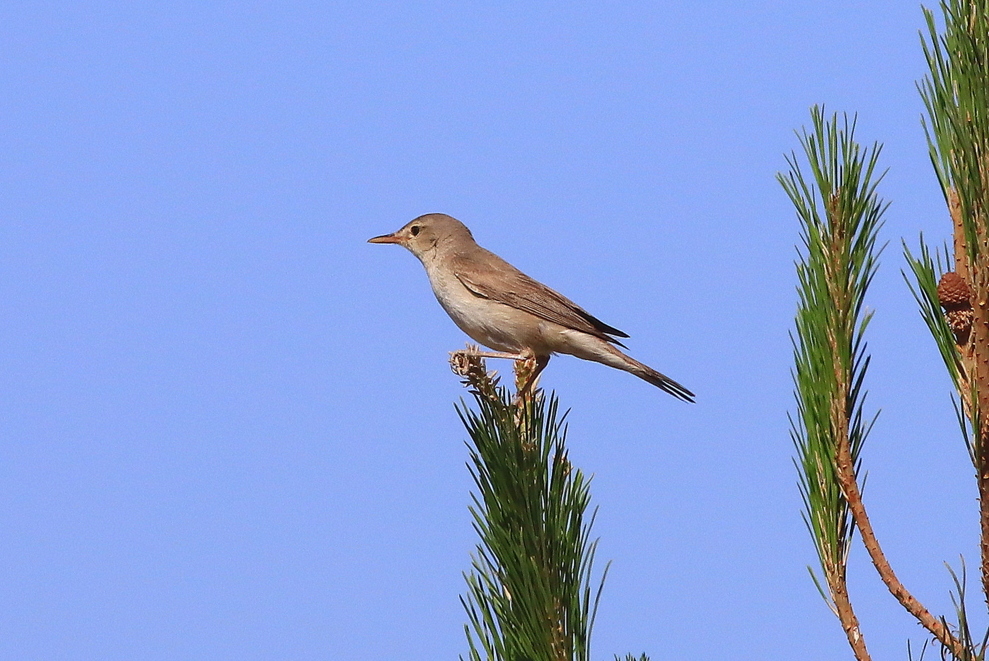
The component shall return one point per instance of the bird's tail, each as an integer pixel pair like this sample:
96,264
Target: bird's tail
661,381
603,352
590,347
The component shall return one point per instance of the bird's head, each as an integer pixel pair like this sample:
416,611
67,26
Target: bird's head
426,233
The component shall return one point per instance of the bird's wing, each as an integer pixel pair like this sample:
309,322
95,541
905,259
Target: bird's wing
499,281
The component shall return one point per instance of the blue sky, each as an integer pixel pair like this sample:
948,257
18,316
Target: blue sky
227,422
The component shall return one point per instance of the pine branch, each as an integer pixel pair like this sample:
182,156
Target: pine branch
956,95
840,220
840,215
530,593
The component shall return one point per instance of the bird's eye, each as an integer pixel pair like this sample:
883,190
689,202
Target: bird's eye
415,230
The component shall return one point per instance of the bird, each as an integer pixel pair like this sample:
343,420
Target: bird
500,307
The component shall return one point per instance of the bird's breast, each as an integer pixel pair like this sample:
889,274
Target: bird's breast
493,324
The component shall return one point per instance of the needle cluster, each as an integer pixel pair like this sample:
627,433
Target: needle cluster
530,592
840,215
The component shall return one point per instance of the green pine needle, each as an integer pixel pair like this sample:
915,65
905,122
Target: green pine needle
956,95
530,593
840,215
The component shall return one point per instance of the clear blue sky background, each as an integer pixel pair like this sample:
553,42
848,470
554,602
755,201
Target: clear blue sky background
226,422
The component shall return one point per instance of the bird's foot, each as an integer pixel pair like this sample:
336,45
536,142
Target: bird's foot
472,370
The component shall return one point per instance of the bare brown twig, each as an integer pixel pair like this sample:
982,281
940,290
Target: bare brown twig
847,617
850,489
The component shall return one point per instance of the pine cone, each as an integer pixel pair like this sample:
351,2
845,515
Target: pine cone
960,321
953,292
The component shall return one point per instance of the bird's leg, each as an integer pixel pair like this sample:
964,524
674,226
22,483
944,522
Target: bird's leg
527,371
490,354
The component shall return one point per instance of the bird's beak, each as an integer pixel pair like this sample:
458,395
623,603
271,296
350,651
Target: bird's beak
385,238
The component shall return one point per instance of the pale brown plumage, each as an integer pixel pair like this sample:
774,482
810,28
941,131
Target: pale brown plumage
494,278
502,308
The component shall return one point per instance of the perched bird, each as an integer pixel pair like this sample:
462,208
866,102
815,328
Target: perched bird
504,309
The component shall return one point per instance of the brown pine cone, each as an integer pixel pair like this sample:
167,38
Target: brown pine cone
953,292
